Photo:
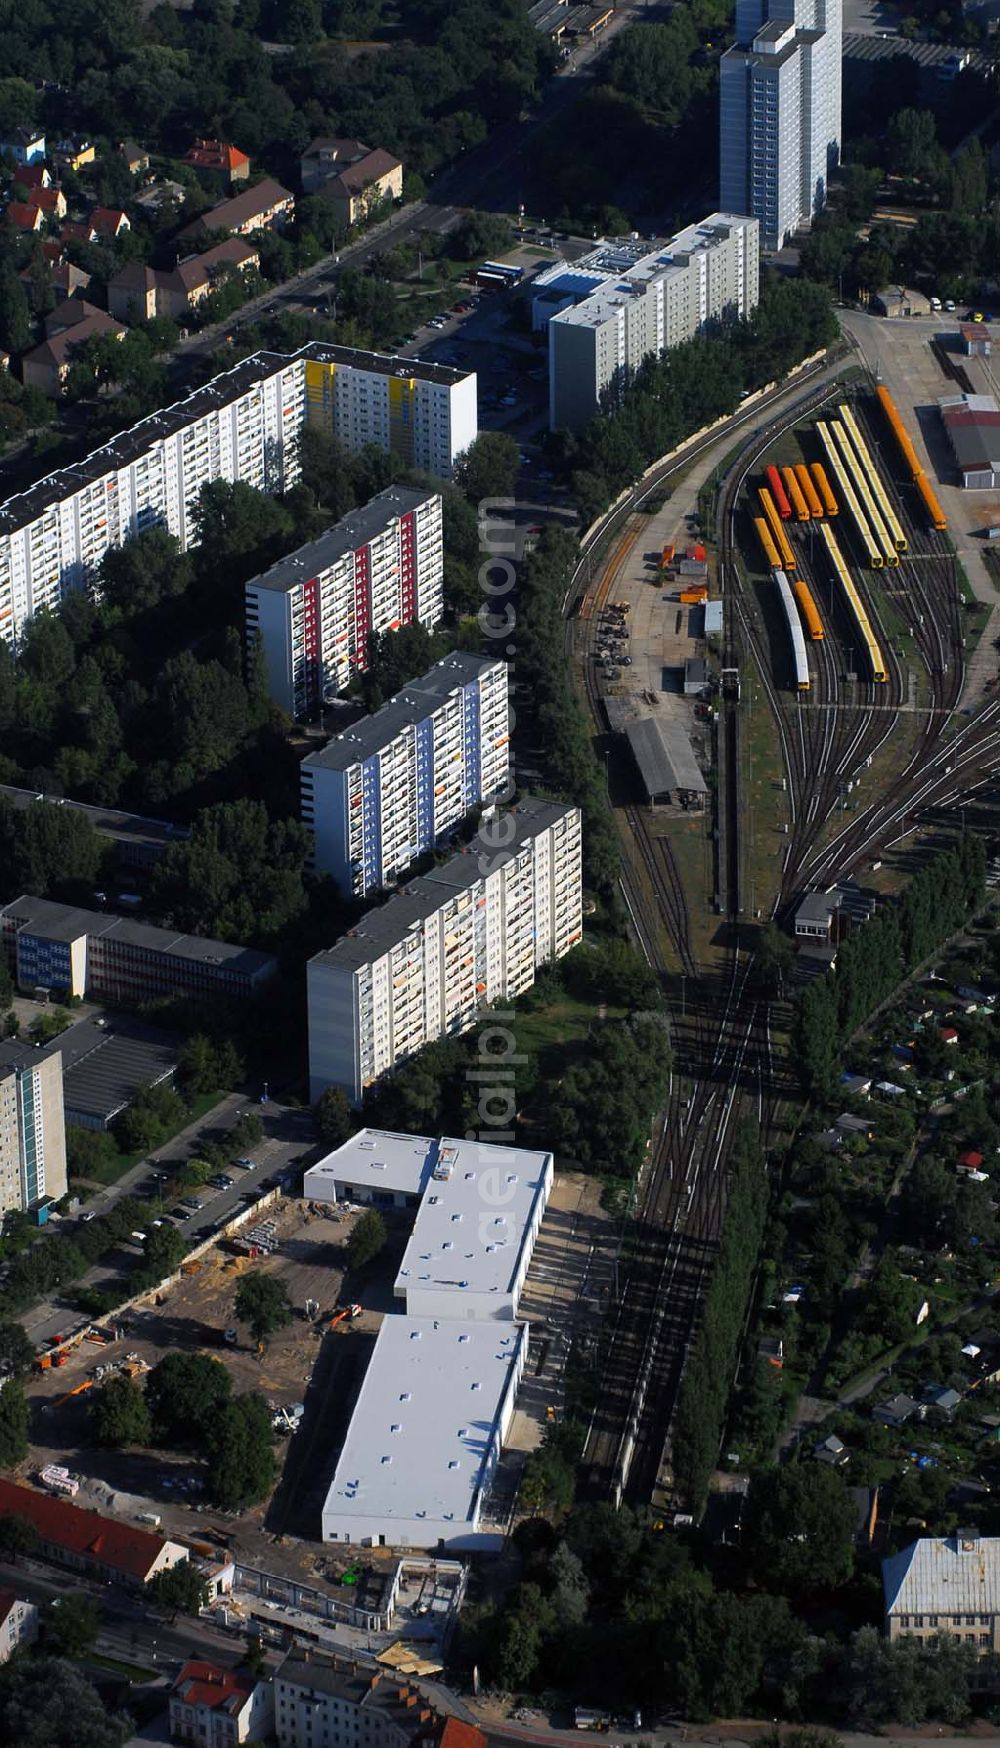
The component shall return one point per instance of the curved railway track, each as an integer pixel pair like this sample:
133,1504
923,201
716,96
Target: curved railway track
721,1031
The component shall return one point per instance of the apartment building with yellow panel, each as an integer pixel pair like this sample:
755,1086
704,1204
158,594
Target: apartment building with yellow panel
243,425
424,413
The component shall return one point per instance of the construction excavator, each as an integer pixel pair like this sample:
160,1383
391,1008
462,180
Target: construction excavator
346,1314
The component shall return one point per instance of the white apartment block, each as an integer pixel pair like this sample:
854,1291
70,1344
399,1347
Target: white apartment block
471,932
378,568
32,1126
780,90
398,782
243,425
18,1623
627,301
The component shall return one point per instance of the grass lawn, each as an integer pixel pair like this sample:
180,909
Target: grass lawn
129,1671
561,1022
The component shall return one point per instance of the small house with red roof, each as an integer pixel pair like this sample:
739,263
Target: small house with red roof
109,221
217,157
24,215
947,1034
88,1542
216,1707
51,200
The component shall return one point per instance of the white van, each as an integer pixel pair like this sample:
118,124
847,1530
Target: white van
935,303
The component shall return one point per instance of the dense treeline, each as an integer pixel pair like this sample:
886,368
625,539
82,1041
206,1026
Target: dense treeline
620,143
872,961
704,1397
115,68
683,389
551,719
609,1592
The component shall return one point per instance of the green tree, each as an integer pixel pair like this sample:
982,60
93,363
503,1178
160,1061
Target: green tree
489,467
334,1118
801,1527
262,1302
18,1535
71,1624
184,1393
181,1589
47,1703
14,1420
155,1112
911,139
239,876
773,959
16,1350
165,1250
119,1415
241,1466
366,1240
15,317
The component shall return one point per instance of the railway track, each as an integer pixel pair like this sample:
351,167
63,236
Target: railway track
723,1064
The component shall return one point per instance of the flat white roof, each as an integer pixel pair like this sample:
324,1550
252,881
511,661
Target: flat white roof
423,1424
474,1218
626,269
376,1159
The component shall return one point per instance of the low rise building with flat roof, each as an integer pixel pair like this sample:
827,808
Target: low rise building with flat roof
425,1436
120,959
105,1065
401,781
479,1208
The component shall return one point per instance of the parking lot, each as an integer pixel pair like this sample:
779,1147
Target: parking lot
192,1315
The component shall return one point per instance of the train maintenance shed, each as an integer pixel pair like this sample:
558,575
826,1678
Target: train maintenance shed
667,765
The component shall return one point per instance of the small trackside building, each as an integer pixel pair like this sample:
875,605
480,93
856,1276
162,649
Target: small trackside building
426,1436
88,1542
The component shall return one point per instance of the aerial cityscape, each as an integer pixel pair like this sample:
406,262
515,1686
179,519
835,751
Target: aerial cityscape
499,873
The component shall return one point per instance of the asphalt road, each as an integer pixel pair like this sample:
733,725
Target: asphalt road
490,177
288,1134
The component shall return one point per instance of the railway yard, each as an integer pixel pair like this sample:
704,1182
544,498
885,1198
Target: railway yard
844,623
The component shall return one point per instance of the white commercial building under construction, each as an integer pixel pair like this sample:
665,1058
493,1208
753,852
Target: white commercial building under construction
436,1402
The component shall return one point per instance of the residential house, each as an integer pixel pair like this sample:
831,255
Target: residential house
109,222
857,1126
74,231
190,282
18,1623
982,1352
889,1090
49,364
217,158
74,154
948,1035
829,1140
26,145
832,1451
896,1411
32,176
216,1707
69,314
88,1542
856,1086
51,201
333,1700
865,1501
132,293
353,177
24,215
266,206
945,1584
970,1161
135,158
942,1399
66,279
